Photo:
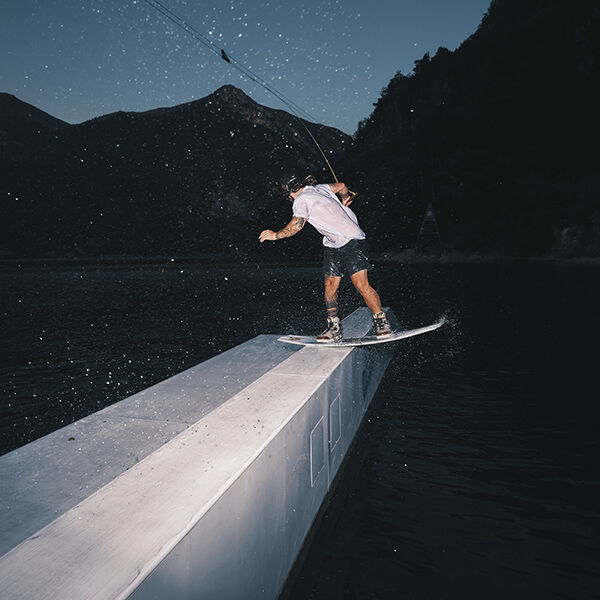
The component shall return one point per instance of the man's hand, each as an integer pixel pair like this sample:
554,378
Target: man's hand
347,199
267,234
343,193
292,228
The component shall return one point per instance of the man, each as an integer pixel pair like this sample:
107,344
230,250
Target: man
326,208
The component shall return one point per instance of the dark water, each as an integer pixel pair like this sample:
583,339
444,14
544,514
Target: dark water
476,472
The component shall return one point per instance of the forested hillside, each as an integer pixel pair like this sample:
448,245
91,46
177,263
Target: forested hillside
501,136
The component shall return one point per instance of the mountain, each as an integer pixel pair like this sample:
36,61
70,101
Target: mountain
23,125
198,177
18,115
499,137
497,140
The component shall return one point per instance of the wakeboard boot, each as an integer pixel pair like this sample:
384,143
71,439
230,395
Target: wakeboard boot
382,326
333,333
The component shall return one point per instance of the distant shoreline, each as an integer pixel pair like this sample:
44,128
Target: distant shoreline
383,258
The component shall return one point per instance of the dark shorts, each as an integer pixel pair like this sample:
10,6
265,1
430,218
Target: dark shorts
351,258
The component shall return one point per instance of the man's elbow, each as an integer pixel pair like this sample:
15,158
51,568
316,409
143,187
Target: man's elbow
298,223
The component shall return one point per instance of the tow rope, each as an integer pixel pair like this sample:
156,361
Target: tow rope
298,112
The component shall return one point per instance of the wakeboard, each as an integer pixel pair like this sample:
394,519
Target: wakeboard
311,340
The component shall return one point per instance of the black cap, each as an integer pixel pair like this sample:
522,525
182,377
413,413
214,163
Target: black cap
288,182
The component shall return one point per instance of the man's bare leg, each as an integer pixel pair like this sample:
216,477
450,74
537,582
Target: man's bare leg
370,296
333,332
331,297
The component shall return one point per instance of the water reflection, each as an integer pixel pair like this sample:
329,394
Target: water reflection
475,474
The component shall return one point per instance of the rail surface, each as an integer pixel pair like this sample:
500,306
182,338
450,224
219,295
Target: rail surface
204,485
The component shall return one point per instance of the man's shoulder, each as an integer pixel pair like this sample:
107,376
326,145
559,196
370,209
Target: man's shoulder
306,192
316,191
301,199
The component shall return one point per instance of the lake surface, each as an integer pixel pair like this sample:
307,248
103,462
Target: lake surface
475,474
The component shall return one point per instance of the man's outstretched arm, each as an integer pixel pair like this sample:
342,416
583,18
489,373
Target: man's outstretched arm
292,228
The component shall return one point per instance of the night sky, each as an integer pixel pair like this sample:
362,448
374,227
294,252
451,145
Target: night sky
77,60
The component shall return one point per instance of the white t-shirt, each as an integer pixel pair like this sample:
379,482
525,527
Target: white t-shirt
323,210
